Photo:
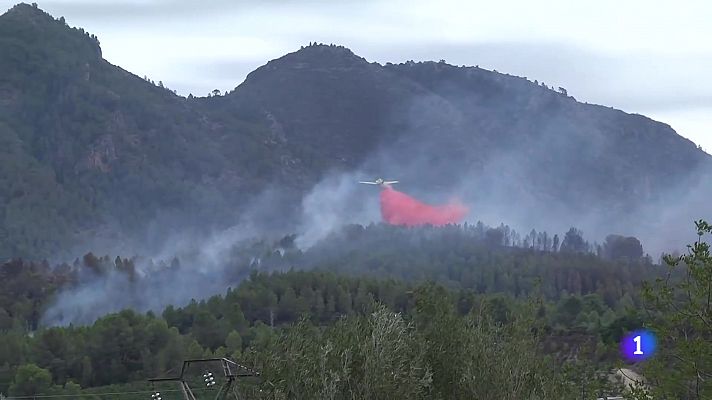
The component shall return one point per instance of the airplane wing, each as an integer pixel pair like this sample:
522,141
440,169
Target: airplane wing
368,183
389,182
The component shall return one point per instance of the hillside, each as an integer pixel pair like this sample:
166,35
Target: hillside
458,293
91,153
476,258
93,149
100,300
271,322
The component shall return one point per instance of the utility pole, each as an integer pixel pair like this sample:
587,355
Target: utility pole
230,371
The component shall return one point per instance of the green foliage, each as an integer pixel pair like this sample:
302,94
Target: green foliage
30,380
680,307
233,343
479,357
84,145
90,151
397,326
439,355
581,307
573,242
582,292
362,357
461,257
617,246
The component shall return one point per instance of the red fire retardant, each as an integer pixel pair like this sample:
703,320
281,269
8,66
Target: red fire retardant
400,209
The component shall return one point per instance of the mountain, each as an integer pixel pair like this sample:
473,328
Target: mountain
91,152
91,148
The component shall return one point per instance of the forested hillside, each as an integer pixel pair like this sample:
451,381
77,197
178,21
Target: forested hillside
93,156
490,282
140,228
322,307
477,258
364,337
244,325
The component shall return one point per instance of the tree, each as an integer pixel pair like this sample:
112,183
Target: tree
233,343
531,238
573,242
443,353
394,360
87,372
494,237
206,330
555,246
288,307
567,310
173,353
72,388
679,307
30,380
194,350
92,262
377,357
617,246
5,320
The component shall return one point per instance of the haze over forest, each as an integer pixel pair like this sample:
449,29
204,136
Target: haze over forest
98,158
140,228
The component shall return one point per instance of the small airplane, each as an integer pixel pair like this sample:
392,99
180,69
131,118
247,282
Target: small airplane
379,182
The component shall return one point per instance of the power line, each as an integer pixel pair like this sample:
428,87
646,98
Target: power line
51,396
231,371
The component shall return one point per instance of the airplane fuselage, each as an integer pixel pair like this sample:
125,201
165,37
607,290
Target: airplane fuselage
380,182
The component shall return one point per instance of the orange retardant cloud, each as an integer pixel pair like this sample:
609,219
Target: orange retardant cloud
398,208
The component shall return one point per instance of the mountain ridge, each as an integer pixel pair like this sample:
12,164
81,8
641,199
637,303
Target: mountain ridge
93,151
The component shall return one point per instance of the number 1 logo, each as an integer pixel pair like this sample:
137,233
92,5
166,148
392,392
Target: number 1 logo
638,345
637,341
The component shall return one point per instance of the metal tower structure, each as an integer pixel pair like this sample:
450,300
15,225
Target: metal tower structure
230,370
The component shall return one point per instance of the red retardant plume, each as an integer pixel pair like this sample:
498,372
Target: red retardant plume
400,209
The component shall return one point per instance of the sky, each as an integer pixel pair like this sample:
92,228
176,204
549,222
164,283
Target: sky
646,57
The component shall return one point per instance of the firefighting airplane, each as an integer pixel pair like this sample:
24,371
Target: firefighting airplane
379,182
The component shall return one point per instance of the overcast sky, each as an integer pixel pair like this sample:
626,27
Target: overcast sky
647,57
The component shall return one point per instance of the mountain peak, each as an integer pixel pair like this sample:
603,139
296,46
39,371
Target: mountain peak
322,55
28,13
315,58
329,49
39,31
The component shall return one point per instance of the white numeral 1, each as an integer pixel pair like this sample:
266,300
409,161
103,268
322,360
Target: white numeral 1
637,351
